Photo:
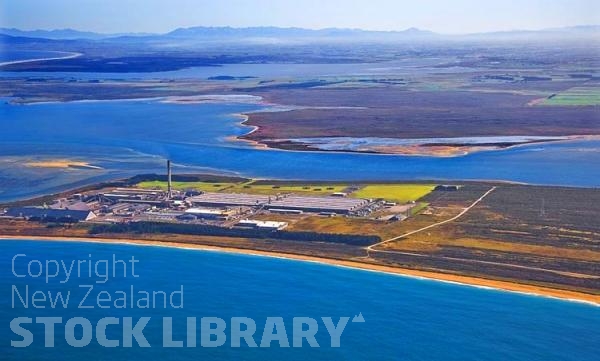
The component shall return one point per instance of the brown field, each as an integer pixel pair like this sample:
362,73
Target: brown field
544,234
399,113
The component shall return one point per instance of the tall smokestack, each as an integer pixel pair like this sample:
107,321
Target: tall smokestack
168,179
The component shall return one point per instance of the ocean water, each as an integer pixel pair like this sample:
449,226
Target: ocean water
405,318
132,137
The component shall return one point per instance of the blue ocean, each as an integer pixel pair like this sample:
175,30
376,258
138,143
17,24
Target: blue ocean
405,318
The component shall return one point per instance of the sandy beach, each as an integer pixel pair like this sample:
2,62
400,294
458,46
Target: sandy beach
60,163
213,98
419,149
436,276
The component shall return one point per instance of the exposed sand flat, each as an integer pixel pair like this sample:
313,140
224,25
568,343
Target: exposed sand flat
67,56
443,277
443,147
435,151
213,98
60,163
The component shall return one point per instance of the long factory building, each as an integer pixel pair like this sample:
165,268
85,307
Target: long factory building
209,199
325,204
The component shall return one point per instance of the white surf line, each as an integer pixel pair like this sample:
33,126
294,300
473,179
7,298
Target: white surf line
70,56
463,212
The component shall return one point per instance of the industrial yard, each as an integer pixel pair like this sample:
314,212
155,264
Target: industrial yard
484,229
252,205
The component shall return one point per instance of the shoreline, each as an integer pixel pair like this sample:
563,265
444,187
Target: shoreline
417,150
70,56
61,163
428,150
469,281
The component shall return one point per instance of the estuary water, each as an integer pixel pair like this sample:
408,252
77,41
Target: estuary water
125,138
268,71
132,137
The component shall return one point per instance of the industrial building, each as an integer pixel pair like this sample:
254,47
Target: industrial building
264,225
206,213
280,204
48,214
285,211
339,205
129,204
124,209
163,215
134,195
446,188
229,199
72,205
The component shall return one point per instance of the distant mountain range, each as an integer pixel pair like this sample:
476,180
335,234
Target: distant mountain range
571,31
201,32
63,34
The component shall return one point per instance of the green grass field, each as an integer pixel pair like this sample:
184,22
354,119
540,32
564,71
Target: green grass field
314,189
578,96
249,187
418,208
400,193
201,186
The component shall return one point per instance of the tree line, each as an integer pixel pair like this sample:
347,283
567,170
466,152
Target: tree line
217,231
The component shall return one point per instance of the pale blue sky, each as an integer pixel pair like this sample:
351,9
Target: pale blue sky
444,16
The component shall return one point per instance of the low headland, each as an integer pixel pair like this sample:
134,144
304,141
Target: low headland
538,240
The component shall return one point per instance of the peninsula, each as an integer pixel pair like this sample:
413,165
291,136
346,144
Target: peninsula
522,238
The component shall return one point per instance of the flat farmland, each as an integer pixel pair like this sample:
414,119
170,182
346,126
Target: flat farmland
394,112
252,187
577,96
401,193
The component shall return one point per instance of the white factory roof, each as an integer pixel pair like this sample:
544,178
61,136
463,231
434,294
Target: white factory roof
204,211
262,224
319,202
137,190
316,203
237,199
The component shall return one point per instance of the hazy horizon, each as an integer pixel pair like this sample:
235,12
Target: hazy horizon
154,16
289,27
